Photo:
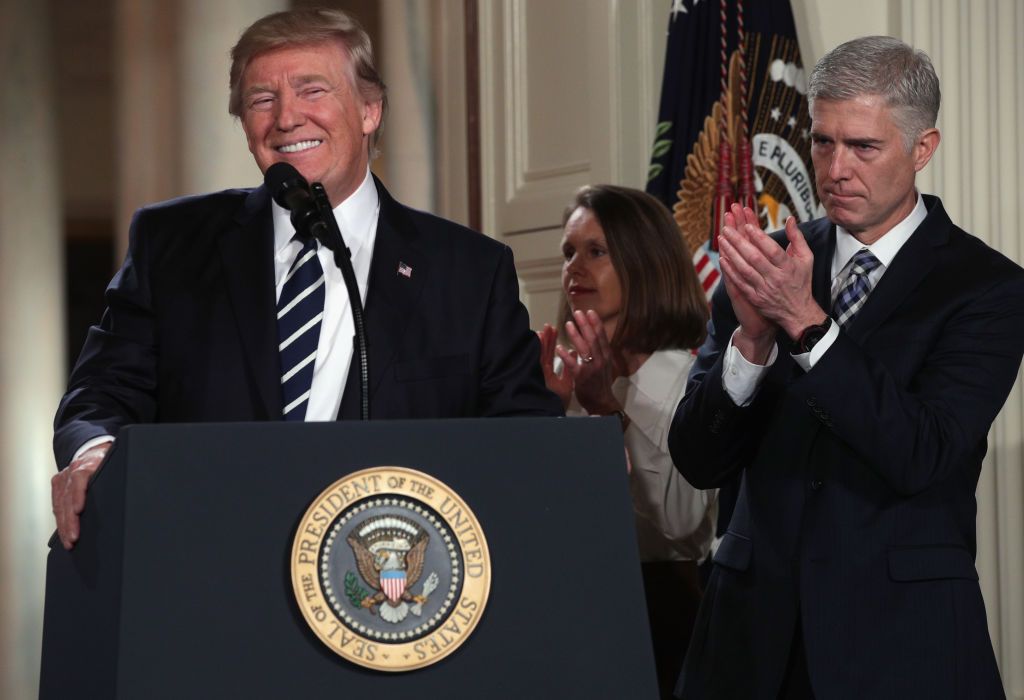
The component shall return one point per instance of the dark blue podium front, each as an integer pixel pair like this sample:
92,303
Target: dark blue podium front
180,586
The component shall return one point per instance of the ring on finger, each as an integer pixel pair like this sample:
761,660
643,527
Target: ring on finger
586,359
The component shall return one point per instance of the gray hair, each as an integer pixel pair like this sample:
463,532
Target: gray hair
310,26
884,66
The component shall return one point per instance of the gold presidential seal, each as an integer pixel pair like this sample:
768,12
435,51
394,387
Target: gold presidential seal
390,569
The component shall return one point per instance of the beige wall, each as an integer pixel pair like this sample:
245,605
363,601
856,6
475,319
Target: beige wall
554,119
823,24
31,332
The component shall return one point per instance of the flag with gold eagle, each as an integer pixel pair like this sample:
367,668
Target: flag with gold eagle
733,124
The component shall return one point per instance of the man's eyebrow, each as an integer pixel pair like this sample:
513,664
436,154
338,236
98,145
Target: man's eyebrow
863,141
297,81
301,80
850,140
254,89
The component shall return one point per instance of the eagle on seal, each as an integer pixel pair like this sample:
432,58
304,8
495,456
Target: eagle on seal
390,553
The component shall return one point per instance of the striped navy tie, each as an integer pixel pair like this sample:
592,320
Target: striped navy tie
300,311
855,293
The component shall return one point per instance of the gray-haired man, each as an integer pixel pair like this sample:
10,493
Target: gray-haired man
853,368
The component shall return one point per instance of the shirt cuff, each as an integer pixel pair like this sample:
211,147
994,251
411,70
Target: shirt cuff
742,378
806,360
91,444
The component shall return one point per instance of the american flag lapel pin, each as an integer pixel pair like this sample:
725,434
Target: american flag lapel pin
404,270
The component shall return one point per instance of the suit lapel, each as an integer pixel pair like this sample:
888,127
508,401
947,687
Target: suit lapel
391,297
247,250
910,266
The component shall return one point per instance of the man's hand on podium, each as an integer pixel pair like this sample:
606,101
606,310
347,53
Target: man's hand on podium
67,490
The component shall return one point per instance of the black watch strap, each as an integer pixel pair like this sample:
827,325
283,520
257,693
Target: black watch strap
810,336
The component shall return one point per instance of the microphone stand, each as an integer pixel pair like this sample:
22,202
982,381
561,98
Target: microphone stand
328,233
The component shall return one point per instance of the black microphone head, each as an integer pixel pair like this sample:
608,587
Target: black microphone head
281,179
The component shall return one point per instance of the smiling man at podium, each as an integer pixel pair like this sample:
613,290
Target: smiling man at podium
221,312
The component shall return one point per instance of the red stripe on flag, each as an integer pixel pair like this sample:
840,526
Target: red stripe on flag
711,281
702,261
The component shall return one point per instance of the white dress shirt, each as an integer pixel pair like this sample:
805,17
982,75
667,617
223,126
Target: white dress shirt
674,521
742,378
357,218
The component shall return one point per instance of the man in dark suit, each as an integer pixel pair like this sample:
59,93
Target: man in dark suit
853,390
208,305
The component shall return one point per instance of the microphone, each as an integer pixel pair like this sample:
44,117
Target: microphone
291,191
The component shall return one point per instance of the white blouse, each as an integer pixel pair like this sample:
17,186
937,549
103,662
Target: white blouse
674,521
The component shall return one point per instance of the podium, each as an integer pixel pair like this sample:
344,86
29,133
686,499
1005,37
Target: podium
180,585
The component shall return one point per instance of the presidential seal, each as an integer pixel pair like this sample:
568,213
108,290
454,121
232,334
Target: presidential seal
390,569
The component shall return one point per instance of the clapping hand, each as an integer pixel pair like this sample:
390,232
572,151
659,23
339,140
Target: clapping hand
559,384
592,366
769,286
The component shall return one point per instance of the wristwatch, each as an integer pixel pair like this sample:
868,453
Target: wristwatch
810,336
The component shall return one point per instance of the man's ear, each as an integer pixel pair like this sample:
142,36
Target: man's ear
924,148
372,112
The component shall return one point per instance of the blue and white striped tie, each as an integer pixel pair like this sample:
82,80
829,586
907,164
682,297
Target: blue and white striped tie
858,285
300,311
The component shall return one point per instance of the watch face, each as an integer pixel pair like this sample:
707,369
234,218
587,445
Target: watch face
812,334
811,338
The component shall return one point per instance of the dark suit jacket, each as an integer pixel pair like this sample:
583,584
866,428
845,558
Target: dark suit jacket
190,331
856,513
